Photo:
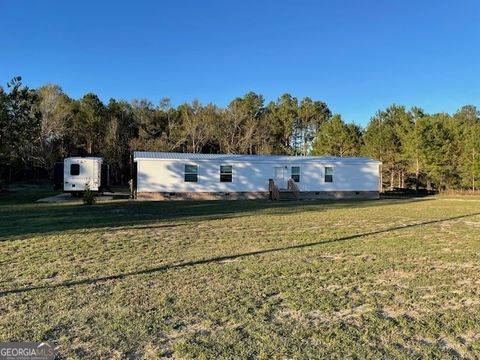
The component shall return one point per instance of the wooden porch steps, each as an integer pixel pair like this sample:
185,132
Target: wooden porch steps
291,193
286,195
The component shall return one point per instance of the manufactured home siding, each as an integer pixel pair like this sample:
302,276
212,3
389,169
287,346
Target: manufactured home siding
167,175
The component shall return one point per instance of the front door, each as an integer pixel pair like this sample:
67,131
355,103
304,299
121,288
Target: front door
280,178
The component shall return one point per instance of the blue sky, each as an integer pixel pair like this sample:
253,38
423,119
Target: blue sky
357,56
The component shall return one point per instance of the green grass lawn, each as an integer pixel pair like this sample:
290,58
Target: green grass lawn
247,279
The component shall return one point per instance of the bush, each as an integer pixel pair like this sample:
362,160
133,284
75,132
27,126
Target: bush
88,196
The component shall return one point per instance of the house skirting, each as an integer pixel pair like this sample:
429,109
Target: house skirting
203,195
304,195
334,195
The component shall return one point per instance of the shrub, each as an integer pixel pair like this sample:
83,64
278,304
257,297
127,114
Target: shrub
88,196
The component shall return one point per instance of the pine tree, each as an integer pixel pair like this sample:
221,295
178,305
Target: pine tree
468,120
336,138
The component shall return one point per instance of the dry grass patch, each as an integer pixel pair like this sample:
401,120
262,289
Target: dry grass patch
372,279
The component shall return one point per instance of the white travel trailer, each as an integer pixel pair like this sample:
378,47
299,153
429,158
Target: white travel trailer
161,175
74,174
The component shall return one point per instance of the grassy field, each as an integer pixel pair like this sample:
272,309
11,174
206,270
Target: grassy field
252,279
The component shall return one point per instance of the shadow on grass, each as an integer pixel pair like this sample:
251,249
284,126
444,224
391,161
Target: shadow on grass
32,219
90,281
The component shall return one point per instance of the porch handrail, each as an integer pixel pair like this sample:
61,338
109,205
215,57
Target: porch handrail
292,186
273,190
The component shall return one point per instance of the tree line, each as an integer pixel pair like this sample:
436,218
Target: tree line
418,150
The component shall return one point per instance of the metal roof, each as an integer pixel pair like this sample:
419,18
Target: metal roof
154,155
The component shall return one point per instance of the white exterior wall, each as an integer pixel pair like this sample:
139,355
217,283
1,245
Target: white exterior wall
166,175
90,173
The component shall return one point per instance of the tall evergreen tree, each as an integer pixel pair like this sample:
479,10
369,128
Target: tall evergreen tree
336,138
121,128
381,142
468,119
19,125
89,123
439,152
282,116
311,115
410,132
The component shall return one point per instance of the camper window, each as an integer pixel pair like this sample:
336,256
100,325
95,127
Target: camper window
296,173
328,174
191,173
75,169
225,173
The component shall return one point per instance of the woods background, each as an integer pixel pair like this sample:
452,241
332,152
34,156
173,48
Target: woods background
41,126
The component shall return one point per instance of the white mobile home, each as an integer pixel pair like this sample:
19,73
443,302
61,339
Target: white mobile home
161,175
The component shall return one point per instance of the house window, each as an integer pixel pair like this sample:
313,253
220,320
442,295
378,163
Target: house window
296,173
225,173
75,169
328,174
191,173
